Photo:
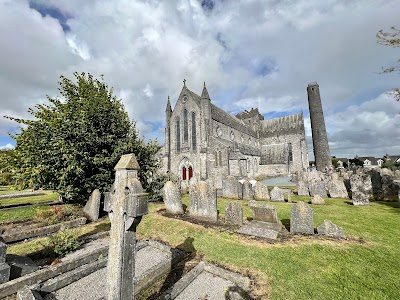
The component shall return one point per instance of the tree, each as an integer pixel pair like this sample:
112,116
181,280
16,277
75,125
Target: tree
7,157
392,39
73,143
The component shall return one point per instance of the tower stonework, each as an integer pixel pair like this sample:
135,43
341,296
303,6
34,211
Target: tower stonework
319,136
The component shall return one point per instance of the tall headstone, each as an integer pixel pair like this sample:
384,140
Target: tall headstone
247,191
320,138
125,204
234,213
302,188
230,187
317,187
361,189
301,219
92,207
4,268
337,189
172,198
203,202
277,195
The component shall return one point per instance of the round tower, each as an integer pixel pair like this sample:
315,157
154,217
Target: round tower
320,138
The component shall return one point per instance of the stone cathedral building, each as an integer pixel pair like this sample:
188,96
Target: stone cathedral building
206,142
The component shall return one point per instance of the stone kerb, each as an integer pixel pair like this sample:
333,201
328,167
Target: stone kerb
234,214
361,189
301,219
203,202
92,207
230,187
277,194
172,198
247,191
261,192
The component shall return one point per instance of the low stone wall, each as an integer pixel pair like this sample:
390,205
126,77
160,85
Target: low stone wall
272,170
26,233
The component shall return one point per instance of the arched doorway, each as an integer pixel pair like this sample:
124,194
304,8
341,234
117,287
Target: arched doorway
190,172
186,169
183,173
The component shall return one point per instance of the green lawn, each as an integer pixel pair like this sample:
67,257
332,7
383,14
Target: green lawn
5,190
304,267
33,199
367,266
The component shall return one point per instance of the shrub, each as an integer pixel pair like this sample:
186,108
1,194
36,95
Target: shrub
156,184
57,214
62,243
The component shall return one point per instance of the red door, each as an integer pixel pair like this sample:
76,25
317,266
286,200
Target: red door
184,173
190,172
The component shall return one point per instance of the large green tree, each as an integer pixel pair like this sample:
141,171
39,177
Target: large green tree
392,39
73,143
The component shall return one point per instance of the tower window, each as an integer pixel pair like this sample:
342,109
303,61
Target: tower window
290,152
185,126
194,141
178,135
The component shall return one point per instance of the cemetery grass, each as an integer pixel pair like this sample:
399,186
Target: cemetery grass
46,198
364,266
7,189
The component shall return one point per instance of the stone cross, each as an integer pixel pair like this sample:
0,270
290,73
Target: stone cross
125,204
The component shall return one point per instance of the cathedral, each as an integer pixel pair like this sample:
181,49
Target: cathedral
206,142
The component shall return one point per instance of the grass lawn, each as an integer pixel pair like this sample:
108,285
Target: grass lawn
51,197
303,267
366,266
6,189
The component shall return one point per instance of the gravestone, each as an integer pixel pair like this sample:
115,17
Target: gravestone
317,200
330,229
234,213
203,202
317,187
396,174
277,195
4,268
301,219
376,181
337,189
302,188
92,207
247,191
125,204
172,198
230,187
361,189
265,222
261,192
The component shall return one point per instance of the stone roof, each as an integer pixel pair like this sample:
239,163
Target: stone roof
250,114
373,160
283,125
223,117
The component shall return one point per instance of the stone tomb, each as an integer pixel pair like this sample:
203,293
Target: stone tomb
172,198
265,222
203,202
234,214
361,189
301,219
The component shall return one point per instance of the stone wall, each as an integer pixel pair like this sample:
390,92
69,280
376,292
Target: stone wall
272,170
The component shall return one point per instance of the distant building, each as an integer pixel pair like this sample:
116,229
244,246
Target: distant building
206,142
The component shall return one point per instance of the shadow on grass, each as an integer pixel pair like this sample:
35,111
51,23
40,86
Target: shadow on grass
286,223
392,204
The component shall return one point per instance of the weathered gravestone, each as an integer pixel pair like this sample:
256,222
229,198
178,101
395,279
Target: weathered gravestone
301,219
337,189
230,187
302,188
376,181
317,187
125,204
330,229
265,222
92,207
234,213
361,189
247,191
172,198
203,202
277,194
4,268
261,192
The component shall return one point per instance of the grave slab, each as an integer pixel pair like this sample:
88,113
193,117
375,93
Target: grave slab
261,229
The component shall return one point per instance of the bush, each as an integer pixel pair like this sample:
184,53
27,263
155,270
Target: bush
57,214
62,243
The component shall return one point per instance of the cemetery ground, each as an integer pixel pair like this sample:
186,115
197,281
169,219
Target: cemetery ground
366,265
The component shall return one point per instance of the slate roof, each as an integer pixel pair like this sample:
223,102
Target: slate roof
283,125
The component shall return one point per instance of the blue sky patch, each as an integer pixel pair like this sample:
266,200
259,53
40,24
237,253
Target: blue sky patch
54,12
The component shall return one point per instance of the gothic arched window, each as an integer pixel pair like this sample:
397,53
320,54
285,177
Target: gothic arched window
185,126
290,152
220,158
178,135
194,141
216,159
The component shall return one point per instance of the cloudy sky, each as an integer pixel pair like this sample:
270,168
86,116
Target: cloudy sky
250,54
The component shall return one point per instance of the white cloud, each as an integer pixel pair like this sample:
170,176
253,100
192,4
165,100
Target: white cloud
7,147
251,53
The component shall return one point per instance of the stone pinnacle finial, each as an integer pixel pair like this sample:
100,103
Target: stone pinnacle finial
184,82
127,162
204,84
204,94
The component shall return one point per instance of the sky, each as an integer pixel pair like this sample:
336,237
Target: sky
250,54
